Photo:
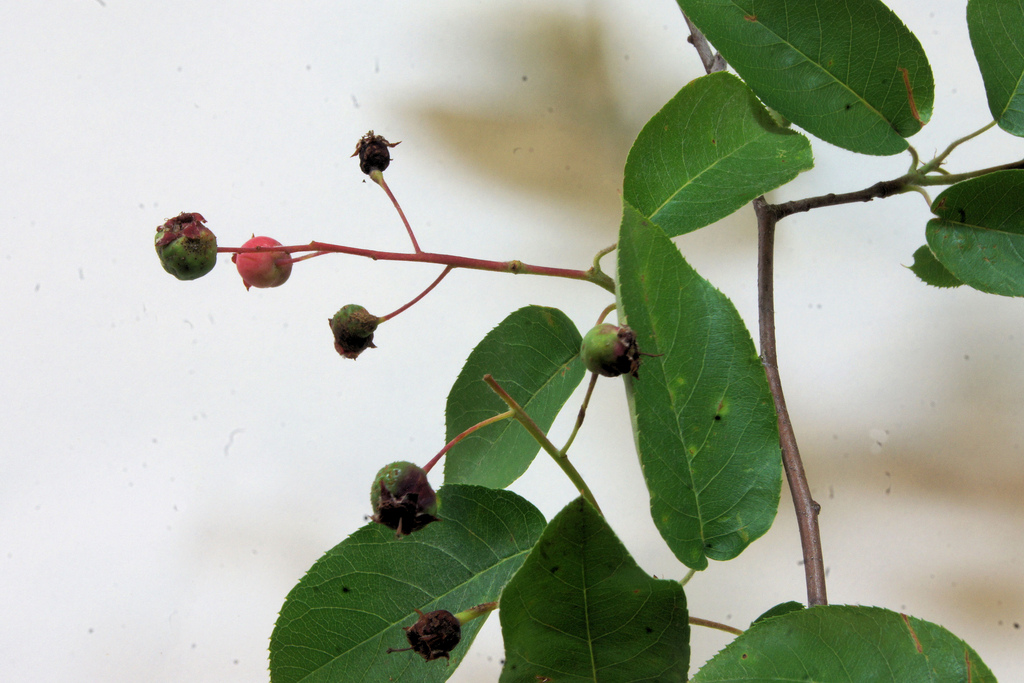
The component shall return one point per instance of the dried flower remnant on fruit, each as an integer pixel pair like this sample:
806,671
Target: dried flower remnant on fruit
611,351
187,248
433,636
353,327
373,152
402,499
261,268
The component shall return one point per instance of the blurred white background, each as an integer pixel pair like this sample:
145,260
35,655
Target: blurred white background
176,455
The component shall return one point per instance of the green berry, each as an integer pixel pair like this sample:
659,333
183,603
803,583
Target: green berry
187,248
611,351
353,328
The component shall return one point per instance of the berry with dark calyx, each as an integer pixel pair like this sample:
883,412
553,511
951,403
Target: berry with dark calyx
611,351
353,328
261,268
433,636
402,498
373,153
187,248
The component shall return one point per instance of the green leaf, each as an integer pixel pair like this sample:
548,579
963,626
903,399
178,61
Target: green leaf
978,234
836,69
534,355
708,152
930,271
997,36
340,619
779,610
580,609
842,643
703,418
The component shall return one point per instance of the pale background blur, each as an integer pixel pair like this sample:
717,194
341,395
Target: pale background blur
176,455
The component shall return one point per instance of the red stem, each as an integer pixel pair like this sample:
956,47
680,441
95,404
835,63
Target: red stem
514,267
378,177
463,435
422,294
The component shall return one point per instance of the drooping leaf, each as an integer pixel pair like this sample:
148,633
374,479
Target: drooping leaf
848,72
534,355
708,152
930,271
703,418
580,609
337,623
978,232
997,36
843,643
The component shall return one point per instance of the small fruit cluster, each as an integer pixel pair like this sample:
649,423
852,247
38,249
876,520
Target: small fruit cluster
188,250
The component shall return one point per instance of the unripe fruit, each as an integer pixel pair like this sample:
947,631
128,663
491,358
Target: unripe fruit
402,498
611,351
187,248
353,328
260,268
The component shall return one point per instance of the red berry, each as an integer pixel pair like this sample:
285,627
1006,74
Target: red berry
261,268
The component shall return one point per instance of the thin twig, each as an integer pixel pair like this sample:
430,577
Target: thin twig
377,176
514,267
540,437
712,61
422,294
707,623
806,509
479,425
879,190
580,415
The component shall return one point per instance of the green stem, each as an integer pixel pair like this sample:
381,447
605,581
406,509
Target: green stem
697,621
951,178
580,415
491,420
914,159
937,161
561,460
476,611
605,313
600,255
686,579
